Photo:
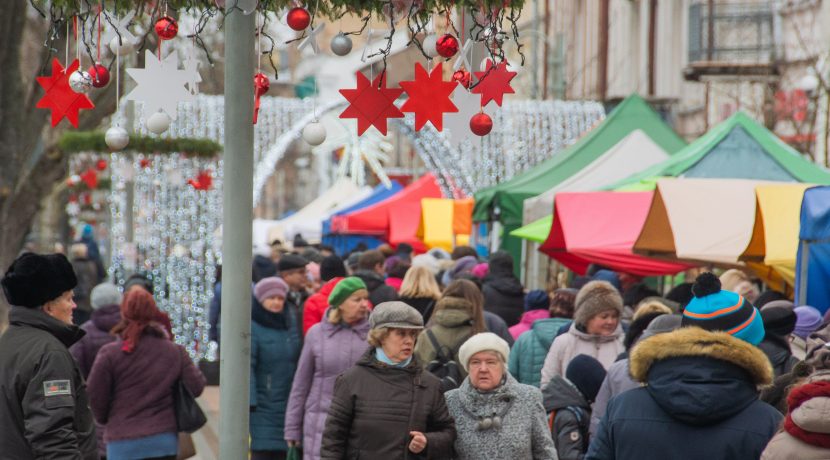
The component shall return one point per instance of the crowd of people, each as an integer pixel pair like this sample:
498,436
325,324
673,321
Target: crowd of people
385,354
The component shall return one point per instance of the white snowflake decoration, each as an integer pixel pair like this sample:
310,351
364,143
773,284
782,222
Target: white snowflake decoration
160,84
371,149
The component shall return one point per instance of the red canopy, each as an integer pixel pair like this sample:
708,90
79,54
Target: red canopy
601,228
396,218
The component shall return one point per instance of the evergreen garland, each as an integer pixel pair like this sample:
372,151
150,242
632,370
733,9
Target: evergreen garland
93,141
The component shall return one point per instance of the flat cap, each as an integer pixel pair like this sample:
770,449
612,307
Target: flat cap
395,314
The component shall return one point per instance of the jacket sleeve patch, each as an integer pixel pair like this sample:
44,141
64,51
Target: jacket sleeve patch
574,436
57,388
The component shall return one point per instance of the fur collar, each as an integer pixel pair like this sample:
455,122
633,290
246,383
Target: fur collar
694,341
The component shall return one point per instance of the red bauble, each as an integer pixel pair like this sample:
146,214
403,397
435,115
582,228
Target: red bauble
298,18
100,75
261,85
167,28
101,165
462,77
481,124
447,45
144,163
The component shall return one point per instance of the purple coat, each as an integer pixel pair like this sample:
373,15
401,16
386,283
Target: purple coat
132,393
328,351
97,335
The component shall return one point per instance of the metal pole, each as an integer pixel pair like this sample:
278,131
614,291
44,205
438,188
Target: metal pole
803,270
237,215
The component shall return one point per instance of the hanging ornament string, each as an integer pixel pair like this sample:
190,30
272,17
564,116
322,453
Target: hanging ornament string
66,60
75,37
98,56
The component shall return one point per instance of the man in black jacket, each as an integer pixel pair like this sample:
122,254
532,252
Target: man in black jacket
44,409
370,270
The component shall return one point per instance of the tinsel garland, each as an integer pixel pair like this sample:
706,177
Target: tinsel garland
93,141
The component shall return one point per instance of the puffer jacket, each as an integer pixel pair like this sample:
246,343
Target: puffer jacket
317,304
566,347
807,426
778,351
44,408
97,335
451,325
700,401
374,408
524,432
528,354
424,305
527,320
274,353
379,291
328,351
504,296
570,424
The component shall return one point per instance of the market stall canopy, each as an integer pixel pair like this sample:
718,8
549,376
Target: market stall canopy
813,264
634,153
445,222
738,148
344,243
601,227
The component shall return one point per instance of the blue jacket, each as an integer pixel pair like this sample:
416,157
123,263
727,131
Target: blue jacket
700,402
274,354
531,348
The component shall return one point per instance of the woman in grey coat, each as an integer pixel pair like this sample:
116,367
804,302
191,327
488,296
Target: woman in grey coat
496,417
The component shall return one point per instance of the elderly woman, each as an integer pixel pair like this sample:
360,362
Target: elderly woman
331,347
386,406
496,416
595,332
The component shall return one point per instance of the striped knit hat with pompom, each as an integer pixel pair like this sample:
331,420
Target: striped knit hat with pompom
716,310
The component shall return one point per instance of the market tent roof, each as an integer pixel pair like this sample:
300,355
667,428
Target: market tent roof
344,243
738,148
308,220
601,227
445,222
813,265
631,114
634,153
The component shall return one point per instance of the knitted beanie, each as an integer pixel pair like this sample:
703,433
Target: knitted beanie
594,298
484,341
345,288
714,309
804,403
537,299
34,279
332,267
587,374
105,294
779,321
809,319
270,287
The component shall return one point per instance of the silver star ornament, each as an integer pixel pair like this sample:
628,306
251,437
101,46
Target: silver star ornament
160,85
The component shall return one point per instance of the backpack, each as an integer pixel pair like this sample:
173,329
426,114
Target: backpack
581,418
444,366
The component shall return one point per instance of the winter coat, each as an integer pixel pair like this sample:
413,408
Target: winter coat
570,425
527,320
424,305
529,352
451,326
379,291
97,335
374,408
497,326
778,351
131,394
504,296
394,282
295,302
798,346
215,312
317,304
44,408
700,402
566,347
524,432
328,351
87,274
617,380
813,417
274,353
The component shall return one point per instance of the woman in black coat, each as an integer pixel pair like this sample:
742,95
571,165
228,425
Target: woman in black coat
503,293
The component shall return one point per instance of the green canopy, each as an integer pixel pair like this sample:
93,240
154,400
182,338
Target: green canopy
631,114
738,148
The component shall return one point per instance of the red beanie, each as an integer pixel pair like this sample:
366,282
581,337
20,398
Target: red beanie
797,397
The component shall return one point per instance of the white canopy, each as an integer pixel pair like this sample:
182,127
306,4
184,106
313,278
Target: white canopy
630,155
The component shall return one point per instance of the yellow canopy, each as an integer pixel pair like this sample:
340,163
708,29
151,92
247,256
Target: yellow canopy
443,220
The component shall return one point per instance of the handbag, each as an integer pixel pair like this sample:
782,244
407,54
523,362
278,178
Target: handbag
189,416
293,454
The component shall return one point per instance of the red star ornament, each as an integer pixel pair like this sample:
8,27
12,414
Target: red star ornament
371,103
496,83
429,97
59,97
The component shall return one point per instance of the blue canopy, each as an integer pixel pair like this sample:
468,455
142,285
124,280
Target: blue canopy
813,262
345,243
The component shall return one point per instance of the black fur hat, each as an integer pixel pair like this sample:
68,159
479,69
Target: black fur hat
34,279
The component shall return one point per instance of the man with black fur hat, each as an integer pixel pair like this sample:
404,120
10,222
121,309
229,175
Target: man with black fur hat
44,409
292,269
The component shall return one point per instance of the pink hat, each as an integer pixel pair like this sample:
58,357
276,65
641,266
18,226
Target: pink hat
481,270
270,287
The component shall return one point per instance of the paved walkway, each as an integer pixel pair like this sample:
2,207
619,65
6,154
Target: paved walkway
207,438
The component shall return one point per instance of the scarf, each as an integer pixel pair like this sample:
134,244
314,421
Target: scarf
381,356
268,319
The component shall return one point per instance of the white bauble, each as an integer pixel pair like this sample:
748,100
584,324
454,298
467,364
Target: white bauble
123,49
116,138
429,45
314,133
158,122
341,44
80,81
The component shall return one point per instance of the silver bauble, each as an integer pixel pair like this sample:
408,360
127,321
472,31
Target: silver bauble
158,122
123,49
80,81
429,45
314,133
116,138
341,44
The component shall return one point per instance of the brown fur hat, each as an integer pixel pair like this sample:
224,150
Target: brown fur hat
595,298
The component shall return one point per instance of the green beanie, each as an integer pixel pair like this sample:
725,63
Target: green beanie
345,288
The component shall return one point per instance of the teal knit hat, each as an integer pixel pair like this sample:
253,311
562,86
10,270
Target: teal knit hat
716,310
344,288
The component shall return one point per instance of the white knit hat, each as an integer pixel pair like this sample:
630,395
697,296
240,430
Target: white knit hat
485,341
